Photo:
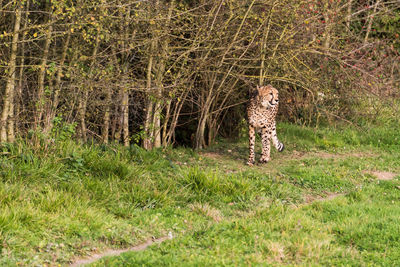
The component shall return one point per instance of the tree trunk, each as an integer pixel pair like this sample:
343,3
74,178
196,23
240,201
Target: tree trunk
7,115
328,27
106,118
115,125
212,129
178,107
82,115
157,106
147,142
262,65
199,139
121,118
263,46
125,117
18,97
57,88
370,21
40,103
165,124
159,80
85,95
348,18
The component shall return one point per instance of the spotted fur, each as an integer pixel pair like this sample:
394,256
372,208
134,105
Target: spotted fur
261,113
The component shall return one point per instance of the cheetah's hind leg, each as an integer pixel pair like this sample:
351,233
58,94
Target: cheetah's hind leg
266,147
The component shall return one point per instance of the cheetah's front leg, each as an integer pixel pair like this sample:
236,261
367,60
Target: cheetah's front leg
266,147
252,140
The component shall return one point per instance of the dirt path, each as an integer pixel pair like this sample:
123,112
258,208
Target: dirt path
380,175
117,252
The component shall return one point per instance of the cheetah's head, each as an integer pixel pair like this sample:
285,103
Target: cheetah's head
267,96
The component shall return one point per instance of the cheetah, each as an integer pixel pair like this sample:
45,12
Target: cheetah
261,113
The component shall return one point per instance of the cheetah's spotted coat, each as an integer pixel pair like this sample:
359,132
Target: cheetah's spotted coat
261,114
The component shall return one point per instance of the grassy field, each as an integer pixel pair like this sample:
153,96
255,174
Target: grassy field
320,202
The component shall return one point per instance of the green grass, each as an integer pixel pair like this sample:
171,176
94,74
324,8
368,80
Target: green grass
64,201
346,231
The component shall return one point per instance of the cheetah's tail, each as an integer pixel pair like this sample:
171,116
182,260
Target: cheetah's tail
281,147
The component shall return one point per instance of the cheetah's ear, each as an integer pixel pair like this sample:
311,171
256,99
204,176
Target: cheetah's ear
254,93
258,89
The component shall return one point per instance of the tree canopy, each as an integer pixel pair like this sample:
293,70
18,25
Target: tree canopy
163,72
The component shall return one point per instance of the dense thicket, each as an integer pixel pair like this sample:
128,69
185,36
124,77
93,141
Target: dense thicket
158,72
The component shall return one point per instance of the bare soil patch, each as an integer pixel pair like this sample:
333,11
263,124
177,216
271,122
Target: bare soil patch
330,196
212,155
383,176
117,252
207,210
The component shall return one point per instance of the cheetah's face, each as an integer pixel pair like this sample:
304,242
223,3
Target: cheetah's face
268,96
